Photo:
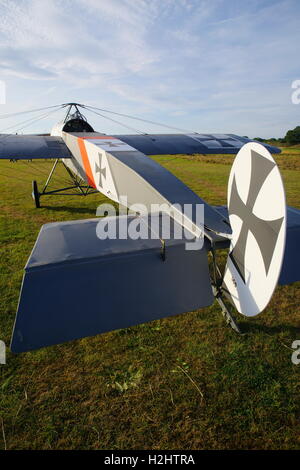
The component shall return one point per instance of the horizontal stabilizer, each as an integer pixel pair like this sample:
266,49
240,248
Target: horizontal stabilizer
31,147
76,285
290,271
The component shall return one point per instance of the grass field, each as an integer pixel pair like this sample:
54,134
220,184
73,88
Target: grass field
185,382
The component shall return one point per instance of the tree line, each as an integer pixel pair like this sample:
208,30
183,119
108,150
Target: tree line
292,137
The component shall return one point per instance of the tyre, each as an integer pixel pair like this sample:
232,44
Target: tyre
35,194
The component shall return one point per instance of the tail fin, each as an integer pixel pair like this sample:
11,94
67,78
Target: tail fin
257,213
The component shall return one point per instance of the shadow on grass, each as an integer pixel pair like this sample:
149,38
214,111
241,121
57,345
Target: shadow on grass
256,327
72,210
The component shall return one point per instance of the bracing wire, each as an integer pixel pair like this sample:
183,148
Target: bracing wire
117,122
35,171
45,173
12,177
94,109
30,173
140,119
8,115
29,121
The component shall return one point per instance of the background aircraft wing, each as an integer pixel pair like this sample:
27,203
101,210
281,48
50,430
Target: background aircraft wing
28,147
171,144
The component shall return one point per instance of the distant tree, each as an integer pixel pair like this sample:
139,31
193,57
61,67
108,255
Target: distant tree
293,136
259,139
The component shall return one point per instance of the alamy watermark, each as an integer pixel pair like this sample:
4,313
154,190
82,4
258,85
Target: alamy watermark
296,94
2,92
152,222
2,353
296,353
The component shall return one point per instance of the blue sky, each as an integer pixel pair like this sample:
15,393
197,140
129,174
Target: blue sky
204,65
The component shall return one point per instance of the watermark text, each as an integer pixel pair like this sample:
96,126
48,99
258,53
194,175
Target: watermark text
2,92
2,353
296,353
296,94
154,222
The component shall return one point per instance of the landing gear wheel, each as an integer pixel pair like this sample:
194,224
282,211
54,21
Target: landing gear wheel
35,194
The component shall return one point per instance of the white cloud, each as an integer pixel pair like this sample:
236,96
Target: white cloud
221,65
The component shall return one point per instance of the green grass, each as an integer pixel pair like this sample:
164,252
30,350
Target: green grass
185,382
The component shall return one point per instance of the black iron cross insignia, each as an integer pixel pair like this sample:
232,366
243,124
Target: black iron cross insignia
99,169
264,231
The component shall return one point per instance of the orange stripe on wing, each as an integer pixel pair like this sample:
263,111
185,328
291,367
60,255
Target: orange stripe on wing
86,163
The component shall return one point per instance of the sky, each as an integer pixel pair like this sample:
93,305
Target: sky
203,65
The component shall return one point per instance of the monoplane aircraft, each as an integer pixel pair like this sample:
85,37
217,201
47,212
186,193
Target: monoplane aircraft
77,284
